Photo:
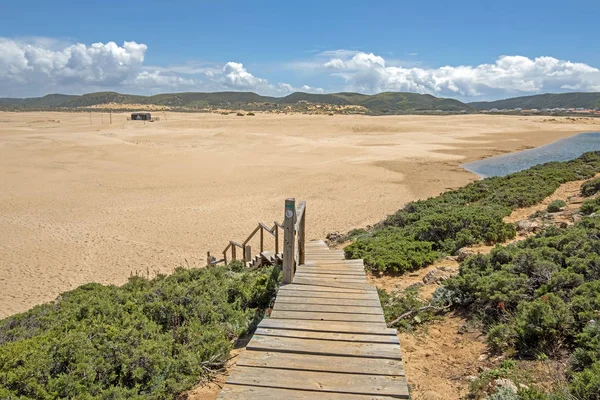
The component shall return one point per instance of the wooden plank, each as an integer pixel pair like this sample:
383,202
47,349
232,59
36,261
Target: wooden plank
246,392
307,291
283,298
333,284
331,273
337,278
328,326
334,272
345,337
318,382
335,267
310,362
318,288
279,306
321,316
325,347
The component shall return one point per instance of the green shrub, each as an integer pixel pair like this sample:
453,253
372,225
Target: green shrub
555,206
428,229
148,339
540,296
591,187
586,384
389,251
590,206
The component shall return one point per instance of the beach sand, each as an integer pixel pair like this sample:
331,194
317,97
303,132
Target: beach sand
97,202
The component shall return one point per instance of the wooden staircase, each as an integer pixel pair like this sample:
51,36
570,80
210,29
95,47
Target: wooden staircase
326,338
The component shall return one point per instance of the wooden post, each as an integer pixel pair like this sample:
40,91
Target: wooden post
248,254
262,239
233,252
288,240
276,238
302,238
225,257
111,117
208,259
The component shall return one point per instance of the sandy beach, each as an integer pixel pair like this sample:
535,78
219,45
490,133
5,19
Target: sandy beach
83,202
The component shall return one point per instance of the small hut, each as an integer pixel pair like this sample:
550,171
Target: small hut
141,116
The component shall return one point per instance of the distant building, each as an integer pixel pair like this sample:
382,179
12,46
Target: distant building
141,116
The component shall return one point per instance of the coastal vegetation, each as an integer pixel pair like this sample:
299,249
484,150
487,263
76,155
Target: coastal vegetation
148,339
548,100
426,230
540,298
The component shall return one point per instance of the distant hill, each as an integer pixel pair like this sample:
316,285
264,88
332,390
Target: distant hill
381,103
540,101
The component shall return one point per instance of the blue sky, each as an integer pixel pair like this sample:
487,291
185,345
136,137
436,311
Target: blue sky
468,50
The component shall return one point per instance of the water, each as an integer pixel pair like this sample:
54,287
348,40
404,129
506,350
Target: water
561,150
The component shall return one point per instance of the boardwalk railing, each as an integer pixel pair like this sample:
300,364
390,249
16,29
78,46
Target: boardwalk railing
294,240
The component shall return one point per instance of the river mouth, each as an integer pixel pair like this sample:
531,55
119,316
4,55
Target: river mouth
561,150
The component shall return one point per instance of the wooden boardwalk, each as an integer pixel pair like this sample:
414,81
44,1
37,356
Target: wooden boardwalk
326,339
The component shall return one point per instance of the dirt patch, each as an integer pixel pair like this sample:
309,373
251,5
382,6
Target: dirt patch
440,359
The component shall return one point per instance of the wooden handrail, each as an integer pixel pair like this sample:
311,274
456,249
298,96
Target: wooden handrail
266,228
294,242
299,214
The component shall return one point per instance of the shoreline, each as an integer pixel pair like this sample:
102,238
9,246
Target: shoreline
96,203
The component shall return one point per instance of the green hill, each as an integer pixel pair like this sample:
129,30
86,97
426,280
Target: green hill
540,101
381,103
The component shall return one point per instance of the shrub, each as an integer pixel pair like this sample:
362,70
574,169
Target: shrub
148,339
427,229
590,206
539,296
586,384
591,187
555,206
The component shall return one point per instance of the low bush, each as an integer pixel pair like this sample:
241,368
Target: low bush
540,297
148,339
590,206
590,187
425,230
555,206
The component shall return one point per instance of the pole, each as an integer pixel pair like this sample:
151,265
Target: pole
110,117
302,238
288,240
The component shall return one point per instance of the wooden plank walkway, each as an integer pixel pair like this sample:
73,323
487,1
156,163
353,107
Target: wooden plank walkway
326,339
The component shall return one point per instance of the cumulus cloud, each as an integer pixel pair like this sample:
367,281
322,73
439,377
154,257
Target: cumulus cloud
509,75
235,76
98,64
36,66
286,88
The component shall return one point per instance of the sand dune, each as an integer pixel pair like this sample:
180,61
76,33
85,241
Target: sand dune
82,203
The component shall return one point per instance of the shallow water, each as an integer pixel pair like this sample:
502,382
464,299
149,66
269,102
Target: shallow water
561,150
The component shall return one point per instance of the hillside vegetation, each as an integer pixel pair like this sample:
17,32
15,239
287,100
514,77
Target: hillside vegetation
381,103
540,101
147,339
540,298
425,230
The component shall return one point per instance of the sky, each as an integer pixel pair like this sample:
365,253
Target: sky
468,50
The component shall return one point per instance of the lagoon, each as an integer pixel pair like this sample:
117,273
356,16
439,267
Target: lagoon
561,150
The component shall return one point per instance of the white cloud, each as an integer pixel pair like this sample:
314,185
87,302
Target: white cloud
98,64
235,76
509,75
35,66
286,88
